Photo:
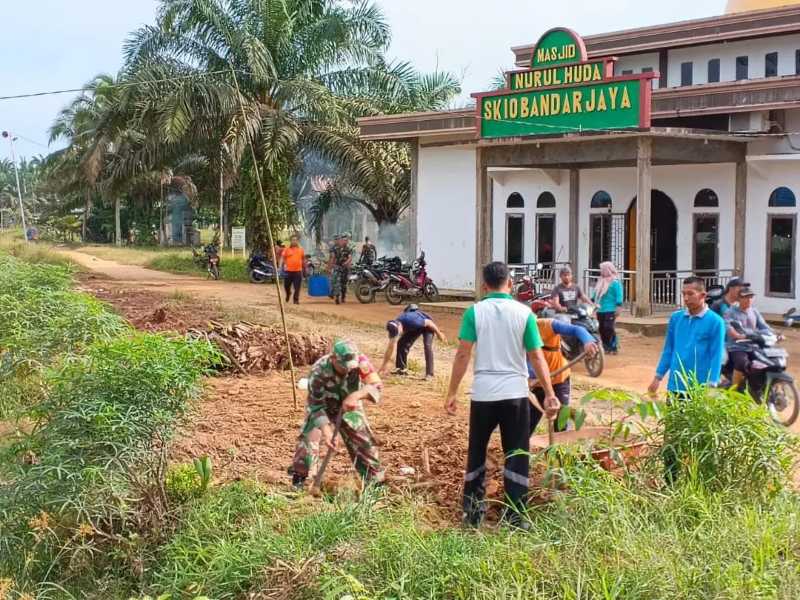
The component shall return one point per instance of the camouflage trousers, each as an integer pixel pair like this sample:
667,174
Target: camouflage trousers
339,279
355,433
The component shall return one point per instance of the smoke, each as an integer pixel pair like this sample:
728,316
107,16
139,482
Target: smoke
393,240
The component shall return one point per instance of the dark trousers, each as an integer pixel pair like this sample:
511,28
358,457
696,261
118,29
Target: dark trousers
668,454
407,340
484,417
608,332
293,278
562,393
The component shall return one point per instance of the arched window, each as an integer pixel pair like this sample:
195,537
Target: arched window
515,200
706,198
601,199
546,200
782,197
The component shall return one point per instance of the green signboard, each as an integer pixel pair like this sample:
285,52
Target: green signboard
564,75
564,92
582,108
558,47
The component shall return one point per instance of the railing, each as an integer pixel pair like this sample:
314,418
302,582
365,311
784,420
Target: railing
543,275
665,286
627,279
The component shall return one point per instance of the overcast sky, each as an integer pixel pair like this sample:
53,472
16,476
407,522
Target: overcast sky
60,44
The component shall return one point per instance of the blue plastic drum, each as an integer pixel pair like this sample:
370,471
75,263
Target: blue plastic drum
319,285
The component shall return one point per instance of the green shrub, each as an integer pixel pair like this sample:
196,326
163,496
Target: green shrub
96,461
728,442
187,481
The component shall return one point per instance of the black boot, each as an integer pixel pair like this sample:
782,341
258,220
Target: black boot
298,481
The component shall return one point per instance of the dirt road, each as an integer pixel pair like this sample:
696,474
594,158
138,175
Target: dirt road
631,369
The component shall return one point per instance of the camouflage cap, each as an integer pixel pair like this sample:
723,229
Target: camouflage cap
347,235
346,354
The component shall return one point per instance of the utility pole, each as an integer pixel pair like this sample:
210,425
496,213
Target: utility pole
11,140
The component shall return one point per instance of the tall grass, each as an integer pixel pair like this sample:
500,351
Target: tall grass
42,320
609,536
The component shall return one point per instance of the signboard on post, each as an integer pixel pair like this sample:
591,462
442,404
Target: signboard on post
564,92
238,239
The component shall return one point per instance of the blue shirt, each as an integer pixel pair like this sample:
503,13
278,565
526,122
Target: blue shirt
609,301
692,349
413,320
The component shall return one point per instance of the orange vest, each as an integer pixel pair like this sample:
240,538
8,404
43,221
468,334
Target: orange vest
552,350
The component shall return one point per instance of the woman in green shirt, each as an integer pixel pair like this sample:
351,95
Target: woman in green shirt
609,296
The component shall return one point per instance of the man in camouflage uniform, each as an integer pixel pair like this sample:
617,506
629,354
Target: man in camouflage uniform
340,263
339,381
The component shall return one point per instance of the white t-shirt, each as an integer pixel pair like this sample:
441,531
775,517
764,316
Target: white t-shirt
503,331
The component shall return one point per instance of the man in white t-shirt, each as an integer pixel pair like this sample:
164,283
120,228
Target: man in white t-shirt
504,334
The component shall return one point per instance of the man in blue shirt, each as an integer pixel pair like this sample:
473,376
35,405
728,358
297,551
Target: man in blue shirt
694,343
404,330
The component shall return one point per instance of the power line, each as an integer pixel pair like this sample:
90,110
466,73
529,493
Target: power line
116,85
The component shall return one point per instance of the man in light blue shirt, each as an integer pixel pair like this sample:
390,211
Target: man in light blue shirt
694,343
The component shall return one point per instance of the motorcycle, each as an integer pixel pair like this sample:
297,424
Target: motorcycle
714,293
790,317
768,379
208,259
414,285
373,279
259,268
584,316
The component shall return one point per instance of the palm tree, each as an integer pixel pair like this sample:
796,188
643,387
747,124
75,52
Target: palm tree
300,65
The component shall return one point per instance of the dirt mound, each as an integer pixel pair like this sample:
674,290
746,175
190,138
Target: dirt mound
251,348
149,310
249,429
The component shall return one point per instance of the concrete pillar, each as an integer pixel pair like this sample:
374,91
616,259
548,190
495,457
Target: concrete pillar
644,155
740,217
412,209
483,218
574,219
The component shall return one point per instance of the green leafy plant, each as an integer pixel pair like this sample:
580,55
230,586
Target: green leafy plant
204,470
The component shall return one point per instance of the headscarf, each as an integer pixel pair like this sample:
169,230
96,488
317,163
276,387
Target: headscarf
608,273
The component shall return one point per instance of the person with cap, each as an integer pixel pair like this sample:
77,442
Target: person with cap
369,253
748,319
502,332
730,297
339,382
404,330
340,262
567,294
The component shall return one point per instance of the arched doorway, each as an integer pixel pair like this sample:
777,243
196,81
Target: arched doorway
663,234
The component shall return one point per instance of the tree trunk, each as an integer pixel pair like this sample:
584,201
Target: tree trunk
117,223
86,210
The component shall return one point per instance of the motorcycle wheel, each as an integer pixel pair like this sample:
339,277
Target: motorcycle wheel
594,365
393,293
256,278
783,402
365,293
431,292
214,271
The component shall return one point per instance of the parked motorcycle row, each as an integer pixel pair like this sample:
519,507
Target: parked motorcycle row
399,282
